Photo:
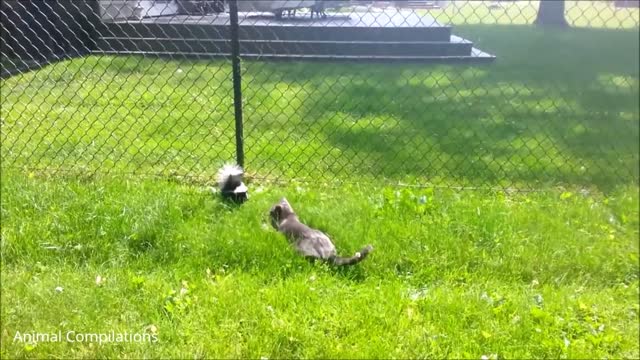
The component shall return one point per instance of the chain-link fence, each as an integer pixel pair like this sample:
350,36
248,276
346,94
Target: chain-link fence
519,94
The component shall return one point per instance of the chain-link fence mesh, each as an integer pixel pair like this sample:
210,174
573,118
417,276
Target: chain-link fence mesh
518,94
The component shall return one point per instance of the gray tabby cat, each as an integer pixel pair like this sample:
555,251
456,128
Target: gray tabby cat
309,242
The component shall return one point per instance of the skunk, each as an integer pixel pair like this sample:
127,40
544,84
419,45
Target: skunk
231,185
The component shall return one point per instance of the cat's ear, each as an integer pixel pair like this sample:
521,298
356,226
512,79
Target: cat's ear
285,204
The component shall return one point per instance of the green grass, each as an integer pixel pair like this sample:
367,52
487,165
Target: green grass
457,276
460,275
556,108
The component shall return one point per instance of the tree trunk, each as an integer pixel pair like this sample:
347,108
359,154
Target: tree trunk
551,13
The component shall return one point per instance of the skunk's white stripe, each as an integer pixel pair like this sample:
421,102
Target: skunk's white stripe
226,172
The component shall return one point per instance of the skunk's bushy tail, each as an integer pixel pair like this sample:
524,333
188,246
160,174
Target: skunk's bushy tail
229,177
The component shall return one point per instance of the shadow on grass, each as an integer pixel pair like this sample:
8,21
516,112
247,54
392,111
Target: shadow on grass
556,107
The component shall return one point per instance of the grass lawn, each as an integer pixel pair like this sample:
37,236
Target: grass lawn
462,275
548,274
556,107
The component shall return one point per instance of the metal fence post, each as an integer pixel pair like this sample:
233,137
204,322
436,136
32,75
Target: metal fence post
237,85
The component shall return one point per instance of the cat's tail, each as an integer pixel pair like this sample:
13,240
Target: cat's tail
359,256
